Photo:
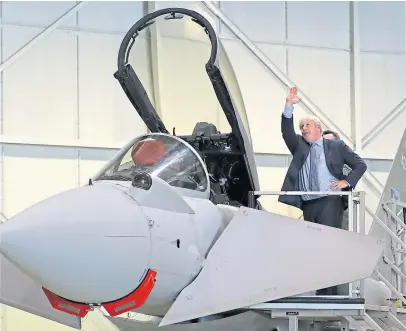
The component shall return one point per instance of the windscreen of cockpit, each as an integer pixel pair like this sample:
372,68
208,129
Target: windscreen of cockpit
182,93
162,156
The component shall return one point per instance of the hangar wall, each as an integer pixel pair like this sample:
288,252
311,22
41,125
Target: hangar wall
62,114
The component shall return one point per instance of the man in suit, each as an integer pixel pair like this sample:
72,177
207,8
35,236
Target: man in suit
317,165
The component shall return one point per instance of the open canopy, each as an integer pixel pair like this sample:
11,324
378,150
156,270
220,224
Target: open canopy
159,155
184,33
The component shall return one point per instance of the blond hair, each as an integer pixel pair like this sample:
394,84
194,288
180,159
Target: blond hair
313,119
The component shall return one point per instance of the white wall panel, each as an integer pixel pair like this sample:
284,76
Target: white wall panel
191,5
36,13
112,16
91,161
261,21
105,113
31,174
324,76
15,37
39,88
271,179
187,95
318,23
382,26
383,86
264,96
382,176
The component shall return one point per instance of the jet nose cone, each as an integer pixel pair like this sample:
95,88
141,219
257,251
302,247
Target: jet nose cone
88,245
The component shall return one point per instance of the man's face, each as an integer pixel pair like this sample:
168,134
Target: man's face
310,131
329,136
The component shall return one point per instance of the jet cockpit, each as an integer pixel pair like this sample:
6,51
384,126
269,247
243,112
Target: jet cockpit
224,146
159,155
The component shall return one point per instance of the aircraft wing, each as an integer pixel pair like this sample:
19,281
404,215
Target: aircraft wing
263,256
20,291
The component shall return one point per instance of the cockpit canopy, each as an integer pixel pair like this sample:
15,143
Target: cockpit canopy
160,155
196,84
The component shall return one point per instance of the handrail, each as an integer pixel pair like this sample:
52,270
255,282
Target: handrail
37,38
302,192
389,231
359,197
395,217
353,198
399,241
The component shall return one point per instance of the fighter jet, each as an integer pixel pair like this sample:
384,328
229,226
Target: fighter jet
168,227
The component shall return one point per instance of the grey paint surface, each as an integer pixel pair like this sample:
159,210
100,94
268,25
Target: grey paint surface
299,257
19,291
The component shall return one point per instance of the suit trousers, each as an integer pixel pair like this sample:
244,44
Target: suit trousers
326,211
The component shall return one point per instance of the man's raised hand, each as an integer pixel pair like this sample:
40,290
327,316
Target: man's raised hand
292,97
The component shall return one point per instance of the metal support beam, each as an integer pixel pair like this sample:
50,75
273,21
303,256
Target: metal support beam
355,70
155,66
284,80
371,322
376,184
274,69
396,321
34,41
377,129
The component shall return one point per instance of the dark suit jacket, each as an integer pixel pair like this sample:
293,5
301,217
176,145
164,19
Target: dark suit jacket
337,154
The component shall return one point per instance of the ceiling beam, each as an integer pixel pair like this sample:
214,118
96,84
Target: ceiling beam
40,36
378,128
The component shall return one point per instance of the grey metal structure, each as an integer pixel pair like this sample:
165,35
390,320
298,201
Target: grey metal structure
358,308
383,308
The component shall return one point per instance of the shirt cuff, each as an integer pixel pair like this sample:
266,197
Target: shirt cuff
288,111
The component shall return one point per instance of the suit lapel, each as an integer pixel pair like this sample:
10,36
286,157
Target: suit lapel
305,153
329,159
327,151
326,148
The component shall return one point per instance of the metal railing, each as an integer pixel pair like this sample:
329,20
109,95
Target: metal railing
395,236
284,79
356,215
395,247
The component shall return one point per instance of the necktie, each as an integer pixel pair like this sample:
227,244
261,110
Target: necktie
313,175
